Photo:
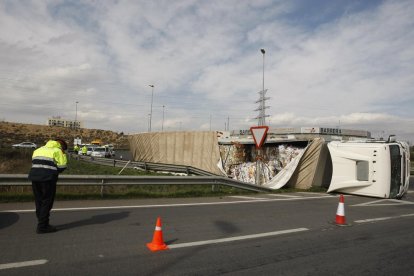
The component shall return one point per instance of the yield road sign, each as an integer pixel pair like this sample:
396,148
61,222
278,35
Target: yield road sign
259,134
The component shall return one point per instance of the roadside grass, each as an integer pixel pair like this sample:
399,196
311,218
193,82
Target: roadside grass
14,161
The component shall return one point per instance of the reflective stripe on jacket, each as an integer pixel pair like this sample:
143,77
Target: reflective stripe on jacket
47,162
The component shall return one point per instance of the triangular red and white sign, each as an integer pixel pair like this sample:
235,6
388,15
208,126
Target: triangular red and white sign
259,134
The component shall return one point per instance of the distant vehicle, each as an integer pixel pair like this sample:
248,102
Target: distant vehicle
97,142
89,149
111,150
29,145
101,152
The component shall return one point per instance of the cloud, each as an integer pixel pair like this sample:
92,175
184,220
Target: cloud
348,62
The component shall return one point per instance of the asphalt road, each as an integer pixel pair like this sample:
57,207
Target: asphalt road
109,237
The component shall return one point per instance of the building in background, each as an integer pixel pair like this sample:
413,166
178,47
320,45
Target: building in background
58,121
292,134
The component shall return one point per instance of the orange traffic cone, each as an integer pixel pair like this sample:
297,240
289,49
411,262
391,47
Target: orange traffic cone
157,243
340,212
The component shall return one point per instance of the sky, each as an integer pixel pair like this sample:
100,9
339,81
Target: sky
327,63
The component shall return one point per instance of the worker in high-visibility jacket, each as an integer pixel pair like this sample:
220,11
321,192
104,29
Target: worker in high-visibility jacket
84,150
47,162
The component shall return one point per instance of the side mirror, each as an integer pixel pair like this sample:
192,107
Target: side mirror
392,138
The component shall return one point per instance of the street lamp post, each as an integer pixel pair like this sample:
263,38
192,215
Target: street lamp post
152,99
262,115
76,115
162,125
259,164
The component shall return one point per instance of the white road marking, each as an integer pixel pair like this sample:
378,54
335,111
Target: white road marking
280,195
372,220
383,218
370,202
168,205
312,193
384,202
22,264
248,197
407,215
254,236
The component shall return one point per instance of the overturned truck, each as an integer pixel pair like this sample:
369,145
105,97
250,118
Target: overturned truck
342,161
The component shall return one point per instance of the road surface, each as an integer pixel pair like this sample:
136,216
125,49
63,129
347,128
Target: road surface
260,234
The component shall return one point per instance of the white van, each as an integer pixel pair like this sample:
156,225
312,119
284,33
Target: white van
374,168
100,152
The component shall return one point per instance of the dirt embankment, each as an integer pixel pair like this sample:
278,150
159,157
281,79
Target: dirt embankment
13,133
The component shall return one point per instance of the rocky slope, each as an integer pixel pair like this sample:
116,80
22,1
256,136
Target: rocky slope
13,133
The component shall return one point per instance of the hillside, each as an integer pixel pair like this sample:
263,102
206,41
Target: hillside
13,133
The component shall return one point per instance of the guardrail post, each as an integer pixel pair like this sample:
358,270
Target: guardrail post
102,189
213,187
145,166
114,162
187,170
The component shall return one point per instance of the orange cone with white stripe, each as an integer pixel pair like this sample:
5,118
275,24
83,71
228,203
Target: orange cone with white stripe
157,243
340,212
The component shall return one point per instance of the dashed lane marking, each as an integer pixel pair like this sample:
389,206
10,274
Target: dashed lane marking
254,236
288,196
383,202
318,194
22,264
248,197
383,218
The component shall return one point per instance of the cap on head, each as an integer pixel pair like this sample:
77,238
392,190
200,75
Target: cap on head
62,143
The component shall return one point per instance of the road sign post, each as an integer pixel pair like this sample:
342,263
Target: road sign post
259,136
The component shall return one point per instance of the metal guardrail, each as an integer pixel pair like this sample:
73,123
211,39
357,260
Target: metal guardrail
198,176
147,166
107,180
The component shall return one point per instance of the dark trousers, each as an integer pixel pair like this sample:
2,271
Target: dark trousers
44,193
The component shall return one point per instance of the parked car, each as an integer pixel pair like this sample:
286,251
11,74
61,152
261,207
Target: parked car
29,145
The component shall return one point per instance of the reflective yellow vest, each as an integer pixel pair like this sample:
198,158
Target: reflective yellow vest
47,162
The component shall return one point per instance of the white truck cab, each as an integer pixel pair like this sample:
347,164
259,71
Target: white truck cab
374,168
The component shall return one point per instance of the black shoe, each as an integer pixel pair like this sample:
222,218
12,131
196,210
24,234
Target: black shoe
47,229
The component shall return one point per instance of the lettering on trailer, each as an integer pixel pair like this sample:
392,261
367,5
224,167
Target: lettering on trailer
259,134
